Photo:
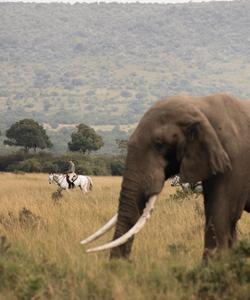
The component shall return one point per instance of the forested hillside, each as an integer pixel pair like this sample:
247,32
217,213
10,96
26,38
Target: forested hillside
105,64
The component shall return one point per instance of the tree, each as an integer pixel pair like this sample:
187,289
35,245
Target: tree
29,134
117,167
122,145
85,139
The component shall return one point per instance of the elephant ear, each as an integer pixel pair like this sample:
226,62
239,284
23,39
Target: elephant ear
202,154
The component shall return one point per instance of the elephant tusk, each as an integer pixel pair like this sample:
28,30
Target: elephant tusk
135,229
111,223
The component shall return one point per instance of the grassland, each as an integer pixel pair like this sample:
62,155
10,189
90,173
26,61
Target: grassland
46,261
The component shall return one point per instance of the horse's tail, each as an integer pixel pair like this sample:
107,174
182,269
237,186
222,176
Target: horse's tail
90,184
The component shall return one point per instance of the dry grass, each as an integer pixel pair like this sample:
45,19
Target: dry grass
50,263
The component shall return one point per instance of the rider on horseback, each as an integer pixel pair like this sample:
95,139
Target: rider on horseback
70,175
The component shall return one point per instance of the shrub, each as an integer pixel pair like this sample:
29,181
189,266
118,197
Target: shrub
222,277
7,160
49,167
44,162
84,169
181,194
29,165
117,167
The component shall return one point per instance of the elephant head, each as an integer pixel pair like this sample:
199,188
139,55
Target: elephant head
174,137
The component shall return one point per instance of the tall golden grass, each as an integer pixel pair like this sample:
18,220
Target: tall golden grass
51,264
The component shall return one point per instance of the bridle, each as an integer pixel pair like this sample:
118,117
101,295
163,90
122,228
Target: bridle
57,178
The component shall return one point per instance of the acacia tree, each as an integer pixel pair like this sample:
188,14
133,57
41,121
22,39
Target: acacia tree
29,134
85,139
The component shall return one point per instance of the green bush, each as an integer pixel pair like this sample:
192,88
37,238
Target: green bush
29,165
117,167
49,167
25,278
222,278
7,160
84,169
181,194
102,165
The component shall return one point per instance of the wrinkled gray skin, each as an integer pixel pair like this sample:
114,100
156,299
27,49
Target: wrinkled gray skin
203,139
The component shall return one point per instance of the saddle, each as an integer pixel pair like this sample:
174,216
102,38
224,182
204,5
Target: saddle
71,182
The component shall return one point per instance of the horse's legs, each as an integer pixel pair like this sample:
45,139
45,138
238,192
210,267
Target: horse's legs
60,189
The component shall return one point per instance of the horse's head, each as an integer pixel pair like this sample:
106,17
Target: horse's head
50,178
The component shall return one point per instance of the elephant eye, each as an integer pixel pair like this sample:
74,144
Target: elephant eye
159,146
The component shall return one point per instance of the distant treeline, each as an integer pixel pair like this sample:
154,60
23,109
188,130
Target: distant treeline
44,162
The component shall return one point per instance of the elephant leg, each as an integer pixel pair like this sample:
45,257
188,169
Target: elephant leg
220,225
233,233
233,225
217,232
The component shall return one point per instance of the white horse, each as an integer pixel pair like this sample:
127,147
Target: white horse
85,183
196,188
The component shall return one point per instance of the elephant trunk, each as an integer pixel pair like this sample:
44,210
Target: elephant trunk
128,225
128,214
132,215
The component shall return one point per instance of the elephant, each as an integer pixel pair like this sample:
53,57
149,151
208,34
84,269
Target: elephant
203,139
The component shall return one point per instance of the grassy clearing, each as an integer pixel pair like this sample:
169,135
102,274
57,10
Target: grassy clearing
43,259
